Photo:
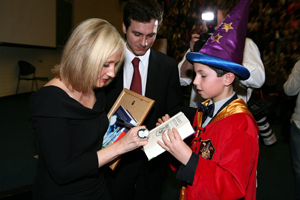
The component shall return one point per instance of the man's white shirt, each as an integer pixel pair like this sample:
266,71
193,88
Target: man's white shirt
128,69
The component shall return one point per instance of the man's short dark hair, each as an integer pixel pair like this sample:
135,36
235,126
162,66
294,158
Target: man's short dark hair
142,11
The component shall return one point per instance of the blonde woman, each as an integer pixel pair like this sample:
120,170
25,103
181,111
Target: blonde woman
68,117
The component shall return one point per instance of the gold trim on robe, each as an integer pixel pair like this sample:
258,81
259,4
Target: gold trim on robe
236,106
182,191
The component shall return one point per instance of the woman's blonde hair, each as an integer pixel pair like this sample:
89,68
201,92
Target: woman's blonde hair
88,48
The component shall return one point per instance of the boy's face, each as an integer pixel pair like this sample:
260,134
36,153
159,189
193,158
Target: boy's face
207,84
140,36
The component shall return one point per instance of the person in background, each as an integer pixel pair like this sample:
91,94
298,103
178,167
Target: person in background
69,119
292,88
251,60
222,158
135,177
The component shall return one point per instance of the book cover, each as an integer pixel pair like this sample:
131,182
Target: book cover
178,121
138,105
119,124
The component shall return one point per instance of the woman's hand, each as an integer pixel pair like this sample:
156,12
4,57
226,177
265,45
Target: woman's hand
162,120
131,141
176,146
128,142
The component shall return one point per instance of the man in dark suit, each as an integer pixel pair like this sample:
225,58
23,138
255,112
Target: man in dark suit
135,177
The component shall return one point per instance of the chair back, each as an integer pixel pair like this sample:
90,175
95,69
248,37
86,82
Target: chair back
26,68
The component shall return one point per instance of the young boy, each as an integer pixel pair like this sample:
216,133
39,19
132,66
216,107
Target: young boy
221,161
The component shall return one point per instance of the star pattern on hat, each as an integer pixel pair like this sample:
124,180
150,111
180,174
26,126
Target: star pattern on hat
216,38
227,26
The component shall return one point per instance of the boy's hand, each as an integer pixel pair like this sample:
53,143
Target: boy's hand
176,146
162,120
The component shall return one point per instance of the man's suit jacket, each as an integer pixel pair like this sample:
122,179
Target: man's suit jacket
163,86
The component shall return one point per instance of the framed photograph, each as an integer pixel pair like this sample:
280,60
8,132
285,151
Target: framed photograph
137,105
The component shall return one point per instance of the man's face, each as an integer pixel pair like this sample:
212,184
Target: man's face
220,19
140,36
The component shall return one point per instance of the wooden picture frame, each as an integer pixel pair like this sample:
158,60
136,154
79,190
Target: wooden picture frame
138,105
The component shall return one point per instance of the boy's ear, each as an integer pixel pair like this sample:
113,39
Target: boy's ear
229,78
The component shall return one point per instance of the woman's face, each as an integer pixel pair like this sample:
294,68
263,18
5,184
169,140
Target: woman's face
108,69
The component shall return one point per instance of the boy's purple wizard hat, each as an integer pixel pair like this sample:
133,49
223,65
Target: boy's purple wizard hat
224,49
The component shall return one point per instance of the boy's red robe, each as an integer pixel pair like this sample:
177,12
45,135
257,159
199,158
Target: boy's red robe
228,154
